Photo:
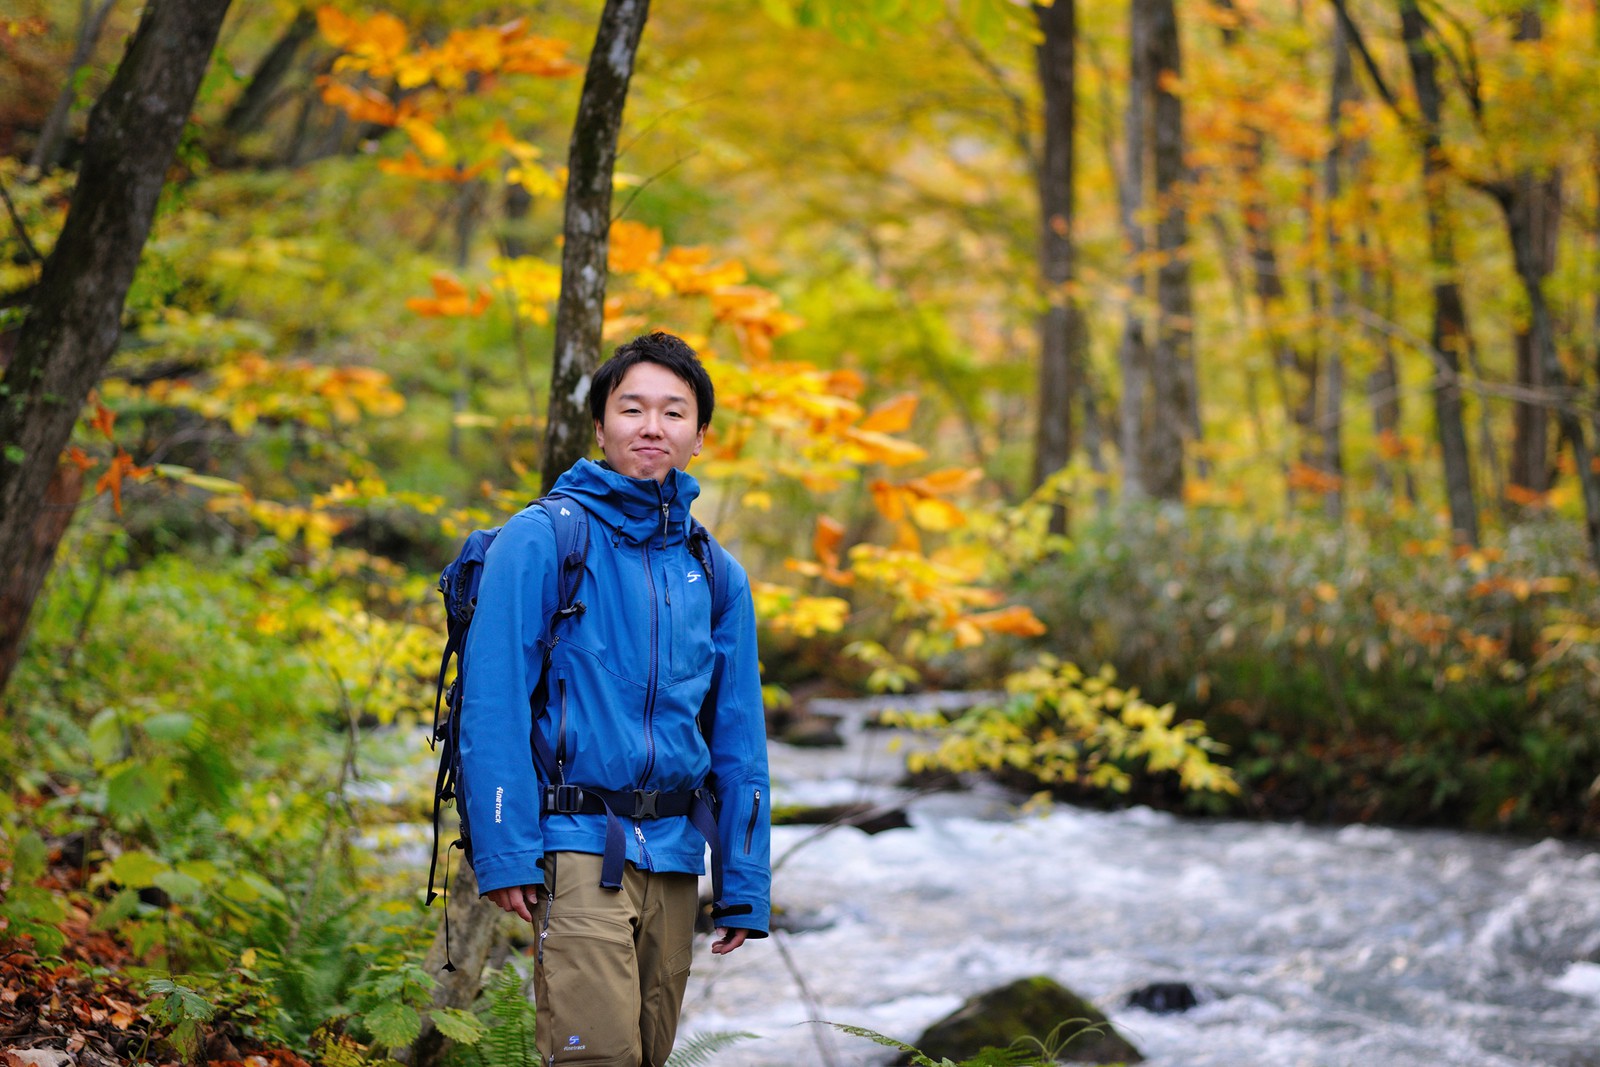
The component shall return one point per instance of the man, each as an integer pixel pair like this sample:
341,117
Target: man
652,696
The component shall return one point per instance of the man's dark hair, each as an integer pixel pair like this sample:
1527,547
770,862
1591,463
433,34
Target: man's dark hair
670,352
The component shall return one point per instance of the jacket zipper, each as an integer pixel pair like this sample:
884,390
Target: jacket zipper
750,830
650,689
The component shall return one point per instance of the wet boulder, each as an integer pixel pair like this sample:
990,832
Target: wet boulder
1164,998
1071,1029
864,817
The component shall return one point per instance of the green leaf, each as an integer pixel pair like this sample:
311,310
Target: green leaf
459,1026
178,1003
179,886
136,870
209,482
137,789
28,858
394,1024
169,726
123,906
106,739
15,454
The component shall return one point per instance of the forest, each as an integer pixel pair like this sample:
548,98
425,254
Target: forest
1217,383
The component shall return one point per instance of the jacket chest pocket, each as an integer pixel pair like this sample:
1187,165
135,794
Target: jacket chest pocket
688,606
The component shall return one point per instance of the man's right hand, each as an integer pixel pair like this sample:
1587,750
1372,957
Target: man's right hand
520,900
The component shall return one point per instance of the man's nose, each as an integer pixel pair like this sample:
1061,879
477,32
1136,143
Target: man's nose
652,424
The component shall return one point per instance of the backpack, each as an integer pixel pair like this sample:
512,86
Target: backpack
458,585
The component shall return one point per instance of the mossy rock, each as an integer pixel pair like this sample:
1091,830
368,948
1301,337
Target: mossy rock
1029,1007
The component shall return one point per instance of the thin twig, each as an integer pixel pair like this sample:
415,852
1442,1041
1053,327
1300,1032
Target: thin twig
819,1032
22,230
669,168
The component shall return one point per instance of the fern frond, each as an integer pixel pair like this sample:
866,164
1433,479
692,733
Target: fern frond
700,1048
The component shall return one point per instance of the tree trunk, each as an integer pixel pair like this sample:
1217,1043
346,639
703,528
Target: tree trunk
1450,336
1341,92
1174,414
1536,199
477,930
54,132
1527,255
1061,328
25,572
1133,355
75,322
580,312
260,94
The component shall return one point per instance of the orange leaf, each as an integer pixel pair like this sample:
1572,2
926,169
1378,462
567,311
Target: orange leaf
826,540
633,246
1015,620
122,466
893,415
82,460
102,419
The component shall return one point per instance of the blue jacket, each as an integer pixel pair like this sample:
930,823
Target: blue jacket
628,678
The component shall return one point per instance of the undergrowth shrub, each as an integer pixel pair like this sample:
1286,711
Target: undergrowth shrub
1371,671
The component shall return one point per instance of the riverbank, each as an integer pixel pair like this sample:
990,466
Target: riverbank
1310,946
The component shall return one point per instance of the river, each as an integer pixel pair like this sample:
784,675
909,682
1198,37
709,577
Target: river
1307,946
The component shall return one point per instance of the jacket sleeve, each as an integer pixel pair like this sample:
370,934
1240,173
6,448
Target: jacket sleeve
738,740
502,662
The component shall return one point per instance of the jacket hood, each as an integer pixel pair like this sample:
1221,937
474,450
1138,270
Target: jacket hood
628,506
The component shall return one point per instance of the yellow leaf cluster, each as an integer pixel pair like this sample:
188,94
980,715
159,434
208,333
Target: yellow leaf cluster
379,46
251,387
533,283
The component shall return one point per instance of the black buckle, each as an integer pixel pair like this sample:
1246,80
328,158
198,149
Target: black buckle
565,799
644,803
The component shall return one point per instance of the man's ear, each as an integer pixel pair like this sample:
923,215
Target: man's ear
600,433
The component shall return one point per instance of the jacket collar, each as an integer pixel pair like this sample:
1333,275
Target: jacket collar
631,507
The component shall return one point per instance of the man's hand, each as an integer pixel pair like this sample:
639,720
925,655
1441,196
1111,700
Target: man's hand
727,941
520,900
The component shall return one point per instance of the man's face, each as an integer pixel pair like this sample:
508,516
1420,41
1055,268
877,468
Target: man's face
651,423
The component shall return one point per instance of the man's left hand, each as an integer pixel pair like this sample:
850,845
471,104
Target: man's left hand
727,941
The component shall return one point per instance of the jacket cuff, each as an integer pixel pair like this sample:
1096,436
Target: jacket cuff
509,871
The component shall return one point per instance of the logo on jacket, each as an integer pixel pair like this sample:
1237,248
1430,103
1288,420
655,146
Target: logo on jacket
693,576
499,796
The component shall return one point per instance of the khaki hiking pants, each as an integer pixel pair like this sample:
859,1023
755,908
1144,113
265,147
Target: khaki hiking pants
611,965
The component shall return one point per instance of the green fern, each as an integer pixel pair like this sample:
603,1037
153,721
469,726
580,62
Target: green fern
510,1041
700,1048
1015,1056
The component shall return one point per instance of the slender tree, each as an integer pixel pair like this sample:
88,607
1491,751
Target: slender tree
591,157
1175,411
1061,324
75,320
91,24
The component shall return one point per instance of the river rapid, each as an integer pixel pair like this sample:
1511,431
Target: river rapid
1307,946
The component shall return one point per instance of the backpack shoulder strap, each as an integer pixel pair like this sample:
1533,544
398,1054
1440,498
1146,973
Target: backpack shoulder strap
710,555
571,523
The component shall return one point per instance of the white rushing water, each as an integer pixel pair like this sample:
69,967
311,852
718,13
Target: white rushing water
1308,947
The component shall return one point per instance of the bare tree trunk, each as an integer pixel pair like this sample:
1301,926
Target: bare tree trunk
1341,92
1450,336
25,573
1536,199
260,95
1172,355
1061,326
54,132
1527,254
75,322
591,157
1133,356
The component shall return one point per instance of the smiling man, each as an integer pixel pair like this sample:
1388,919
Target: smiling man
649,740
